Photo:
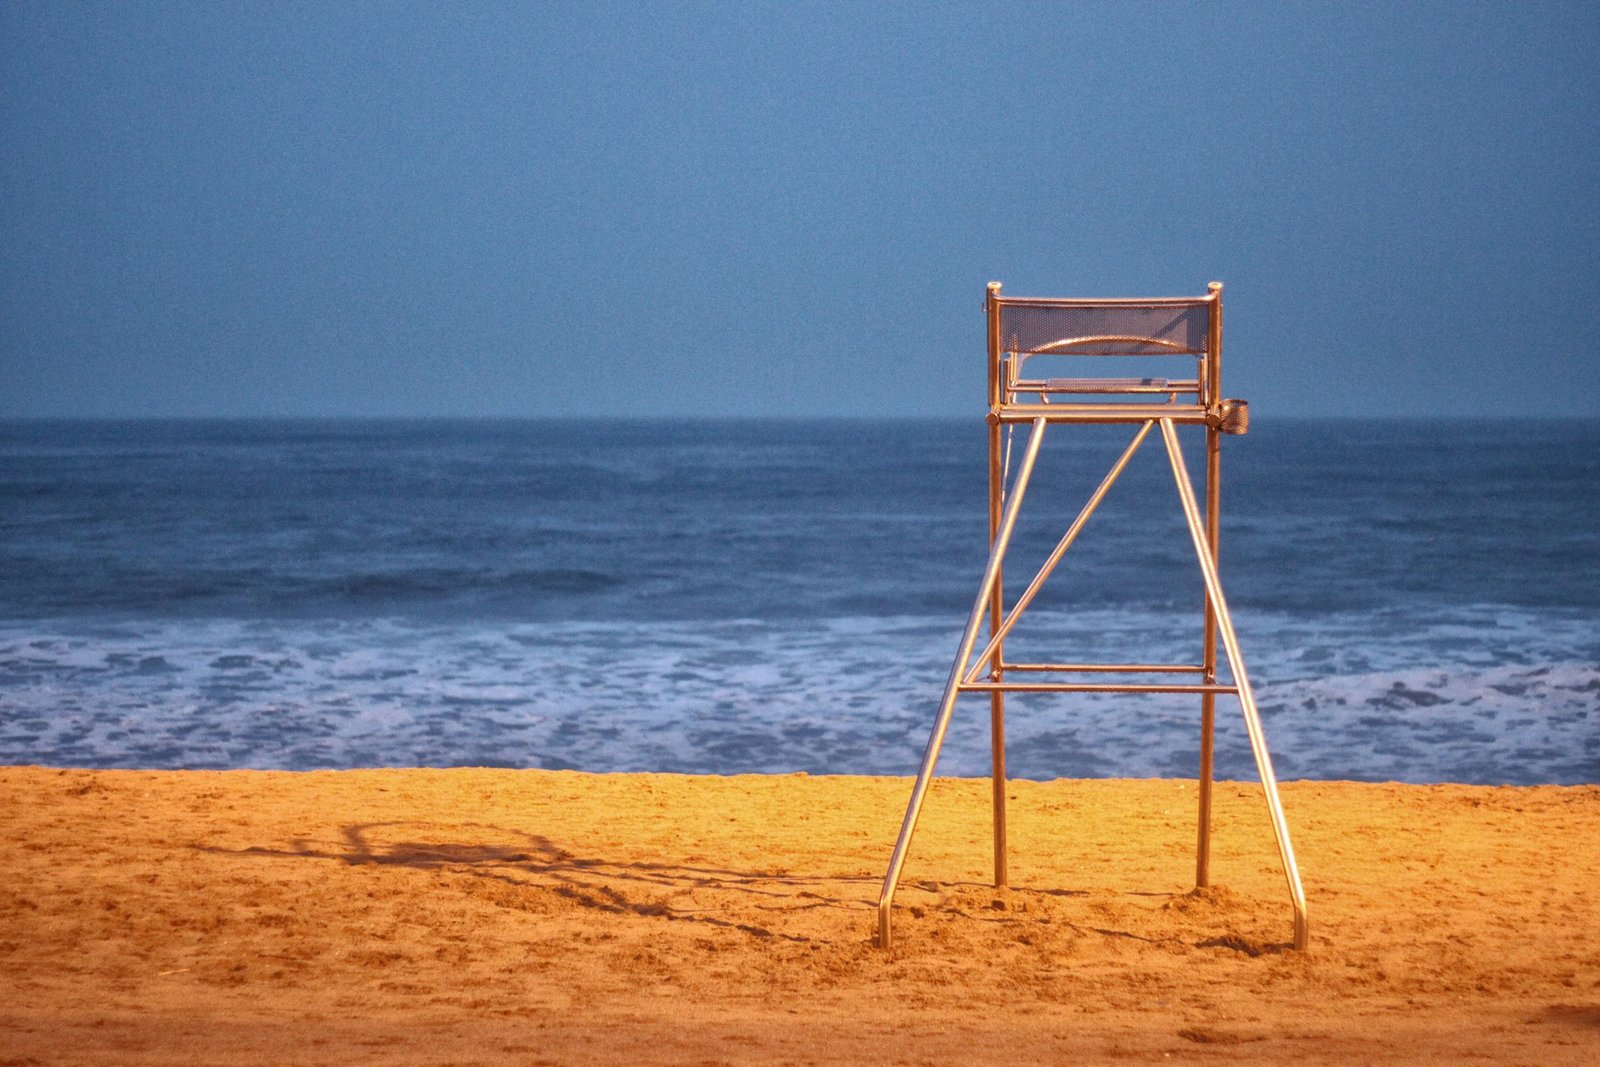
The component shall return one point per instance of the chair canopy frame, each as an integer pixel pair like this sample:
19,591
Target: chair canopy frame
1023,328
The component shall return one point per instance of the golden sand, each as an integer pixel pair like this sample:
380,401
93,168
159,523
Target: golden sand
495,917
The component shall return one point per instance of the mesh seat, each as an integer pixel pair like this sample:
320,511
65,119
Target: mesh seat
1176,335
1106,328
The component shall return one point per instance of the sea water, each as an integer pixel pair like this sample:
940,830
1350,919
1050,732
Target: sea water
1415,600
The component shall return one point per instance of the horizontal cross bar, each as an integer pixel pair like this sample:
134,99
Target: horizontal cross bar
1093,687
1108,668
1182,414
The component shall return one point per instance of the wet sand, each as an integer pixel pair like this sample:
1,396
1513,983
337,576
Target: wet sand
493,917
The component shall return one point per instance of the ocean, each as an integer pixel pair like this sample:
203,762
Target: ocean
1416,600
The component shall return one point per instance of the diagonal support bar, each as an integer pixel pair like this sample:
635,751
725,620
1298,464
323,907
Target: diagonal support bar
952,688
1055,556
1247,700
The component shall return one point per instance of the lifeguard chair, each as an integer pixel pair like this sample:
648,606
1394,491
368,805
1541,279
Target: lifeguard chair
1021,331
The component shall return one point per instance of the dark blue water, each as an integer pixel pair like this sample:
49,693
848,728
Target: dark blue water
1416,600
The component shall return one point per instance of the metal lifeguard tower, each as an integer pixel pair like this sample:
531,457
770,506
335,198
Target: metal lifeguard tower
1020,330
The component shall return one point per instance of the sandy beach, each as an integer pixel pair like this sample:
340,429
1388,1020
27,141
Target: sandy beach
492,916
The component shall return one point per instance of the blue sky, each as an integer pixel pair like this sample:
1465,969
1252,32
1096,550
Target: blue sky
784,209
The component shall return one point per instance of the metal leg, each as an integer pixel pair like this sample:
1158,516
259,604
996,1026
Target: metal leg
1208,720
1247,700
952,689
997,700
1208,663
997,786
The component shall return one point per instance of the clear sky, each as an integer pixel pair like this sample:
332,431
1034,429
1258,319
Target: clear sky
784,208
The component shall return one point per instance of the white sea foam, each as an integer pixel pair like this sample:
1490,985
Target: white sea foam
1484,694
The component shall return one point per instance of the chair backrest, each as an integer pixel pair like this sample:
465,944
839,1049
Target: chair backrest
1023,328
